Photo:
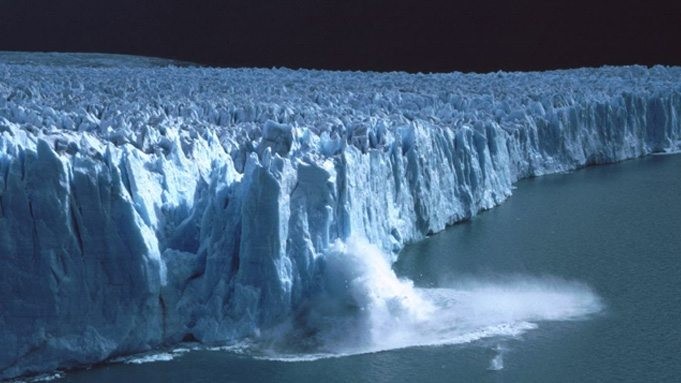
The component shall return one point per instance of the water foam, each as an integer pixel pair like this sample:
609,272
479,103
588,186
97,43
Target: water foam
146,358
39,378
364,307
497,362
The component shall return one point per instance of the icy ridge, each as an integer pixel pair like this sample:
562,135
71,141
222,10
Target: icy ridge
145,206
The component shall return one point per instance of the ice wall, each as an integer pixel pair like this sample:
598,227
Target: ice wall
145,206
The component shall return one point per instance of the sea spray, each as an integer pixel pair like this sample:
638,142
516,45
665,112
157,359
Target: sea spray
362,306
497,362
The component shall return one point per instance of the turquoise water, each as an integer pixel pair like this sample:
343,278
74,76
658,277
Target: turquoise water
616,229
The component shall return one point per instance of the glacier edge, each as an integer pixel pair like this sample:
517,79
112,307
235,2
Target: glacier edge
141,207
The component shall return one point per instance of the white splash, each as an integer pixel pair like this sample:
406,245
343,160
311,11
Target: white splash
497,362
364,307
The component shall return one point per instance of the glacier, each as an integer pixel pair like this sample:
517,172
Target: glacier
143,204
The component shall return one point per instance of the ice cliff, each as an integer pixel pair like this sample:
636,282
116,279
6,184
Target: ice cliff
145,205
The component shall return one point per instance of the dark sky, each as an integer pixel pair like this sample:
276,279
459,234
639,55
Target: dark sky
475,35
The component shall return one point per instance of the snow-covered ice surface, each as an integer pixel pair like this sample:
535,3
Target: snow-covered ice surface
142,205
87,60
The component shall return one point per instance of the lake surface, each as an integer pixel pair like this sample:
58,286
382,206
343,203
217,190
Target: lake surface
615,230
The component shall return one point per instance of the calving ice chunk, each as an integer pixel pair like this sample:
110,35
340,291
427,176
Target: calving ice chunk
143,204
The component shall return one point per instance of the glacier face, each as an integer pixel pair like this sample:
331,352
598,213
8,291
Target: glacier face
145,205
